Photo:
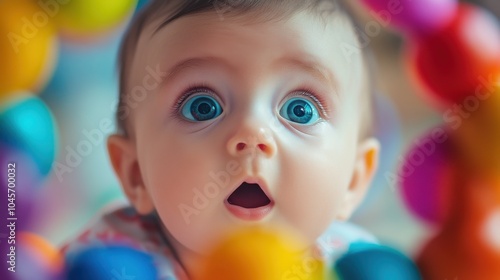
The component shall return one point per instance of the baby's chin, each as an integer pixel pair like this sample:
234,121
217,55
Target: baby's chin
200,240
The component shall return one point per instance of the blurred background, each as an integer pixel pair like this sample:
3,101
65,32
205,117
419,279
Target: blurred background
61,96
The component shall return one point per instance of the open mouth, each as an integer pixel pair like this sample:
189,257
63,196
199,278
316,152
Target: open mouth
249,196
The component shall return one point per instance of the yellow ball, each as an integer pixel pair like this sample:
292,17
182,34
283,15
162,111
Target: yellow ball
28,46
263,254
87,17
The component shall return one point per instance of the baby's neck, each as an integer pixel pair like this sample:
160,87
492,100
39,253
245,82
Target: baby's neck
186,258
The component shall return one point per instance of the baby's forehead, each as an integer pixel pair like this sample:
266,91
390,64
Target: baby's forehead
224,14
304,41
337,33
242,11
172,10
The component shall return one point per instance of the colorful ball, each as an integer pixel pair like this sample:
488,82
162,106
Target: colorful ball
375,262
90,17
18,186
467,245
455,61
420,16
27,124
258,253
476,130
37,258
28,47
425,177
111,262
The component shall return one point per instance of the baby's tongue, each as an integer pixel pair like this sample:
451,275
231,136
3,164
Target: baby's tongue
249,196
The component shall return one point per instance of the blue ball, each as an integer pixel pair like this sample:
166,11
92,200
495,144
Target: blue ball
375,262
28,125
111,262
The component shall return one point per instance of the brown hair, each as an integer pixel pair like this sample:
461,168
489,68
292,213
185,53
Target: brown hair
167,11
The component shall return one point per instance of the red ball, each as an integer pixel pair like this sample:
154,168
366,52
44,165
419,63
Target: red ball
461,57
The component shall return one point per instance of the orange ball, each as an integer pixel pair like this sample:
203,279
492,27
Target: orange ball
28,46
476,130
259,253
38,259
467,245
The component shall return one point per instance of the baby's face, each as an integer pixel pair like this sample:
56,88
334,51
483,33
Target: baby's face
253,123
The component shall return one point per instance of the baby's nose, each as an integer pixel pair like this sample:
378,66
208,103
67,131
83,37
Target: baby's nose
252,139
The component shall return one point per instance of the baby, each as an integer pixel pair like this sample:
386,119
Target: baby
236,113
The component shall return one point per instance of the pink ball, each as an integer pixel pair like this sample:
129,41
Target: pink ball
425,177
414,16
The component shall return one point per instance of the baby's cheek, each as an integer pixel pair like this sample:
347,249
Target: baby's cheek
312,195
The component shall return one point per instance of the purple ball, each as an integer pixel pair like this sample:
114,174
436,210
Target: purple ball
19,181
425,177
414,16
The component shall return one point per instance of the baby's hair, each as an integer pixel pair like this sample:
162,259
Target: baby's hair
163,12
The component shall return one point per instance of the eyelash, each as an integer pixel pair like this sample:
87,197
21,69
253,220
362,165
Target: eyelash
204,88
188,92
315,98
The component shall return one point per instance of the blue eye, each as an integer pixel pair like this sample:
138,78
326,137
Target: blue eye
300,110
201,108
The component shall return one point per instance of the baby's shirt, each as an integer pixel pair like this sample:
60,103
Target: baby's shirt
126,227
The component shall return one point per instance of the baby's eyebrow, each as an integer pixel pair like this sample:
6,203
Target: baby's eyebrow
191,62
313,68
309,66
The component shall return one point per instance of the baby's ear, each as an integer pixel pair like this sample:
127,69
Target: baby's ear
123,156
365,166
